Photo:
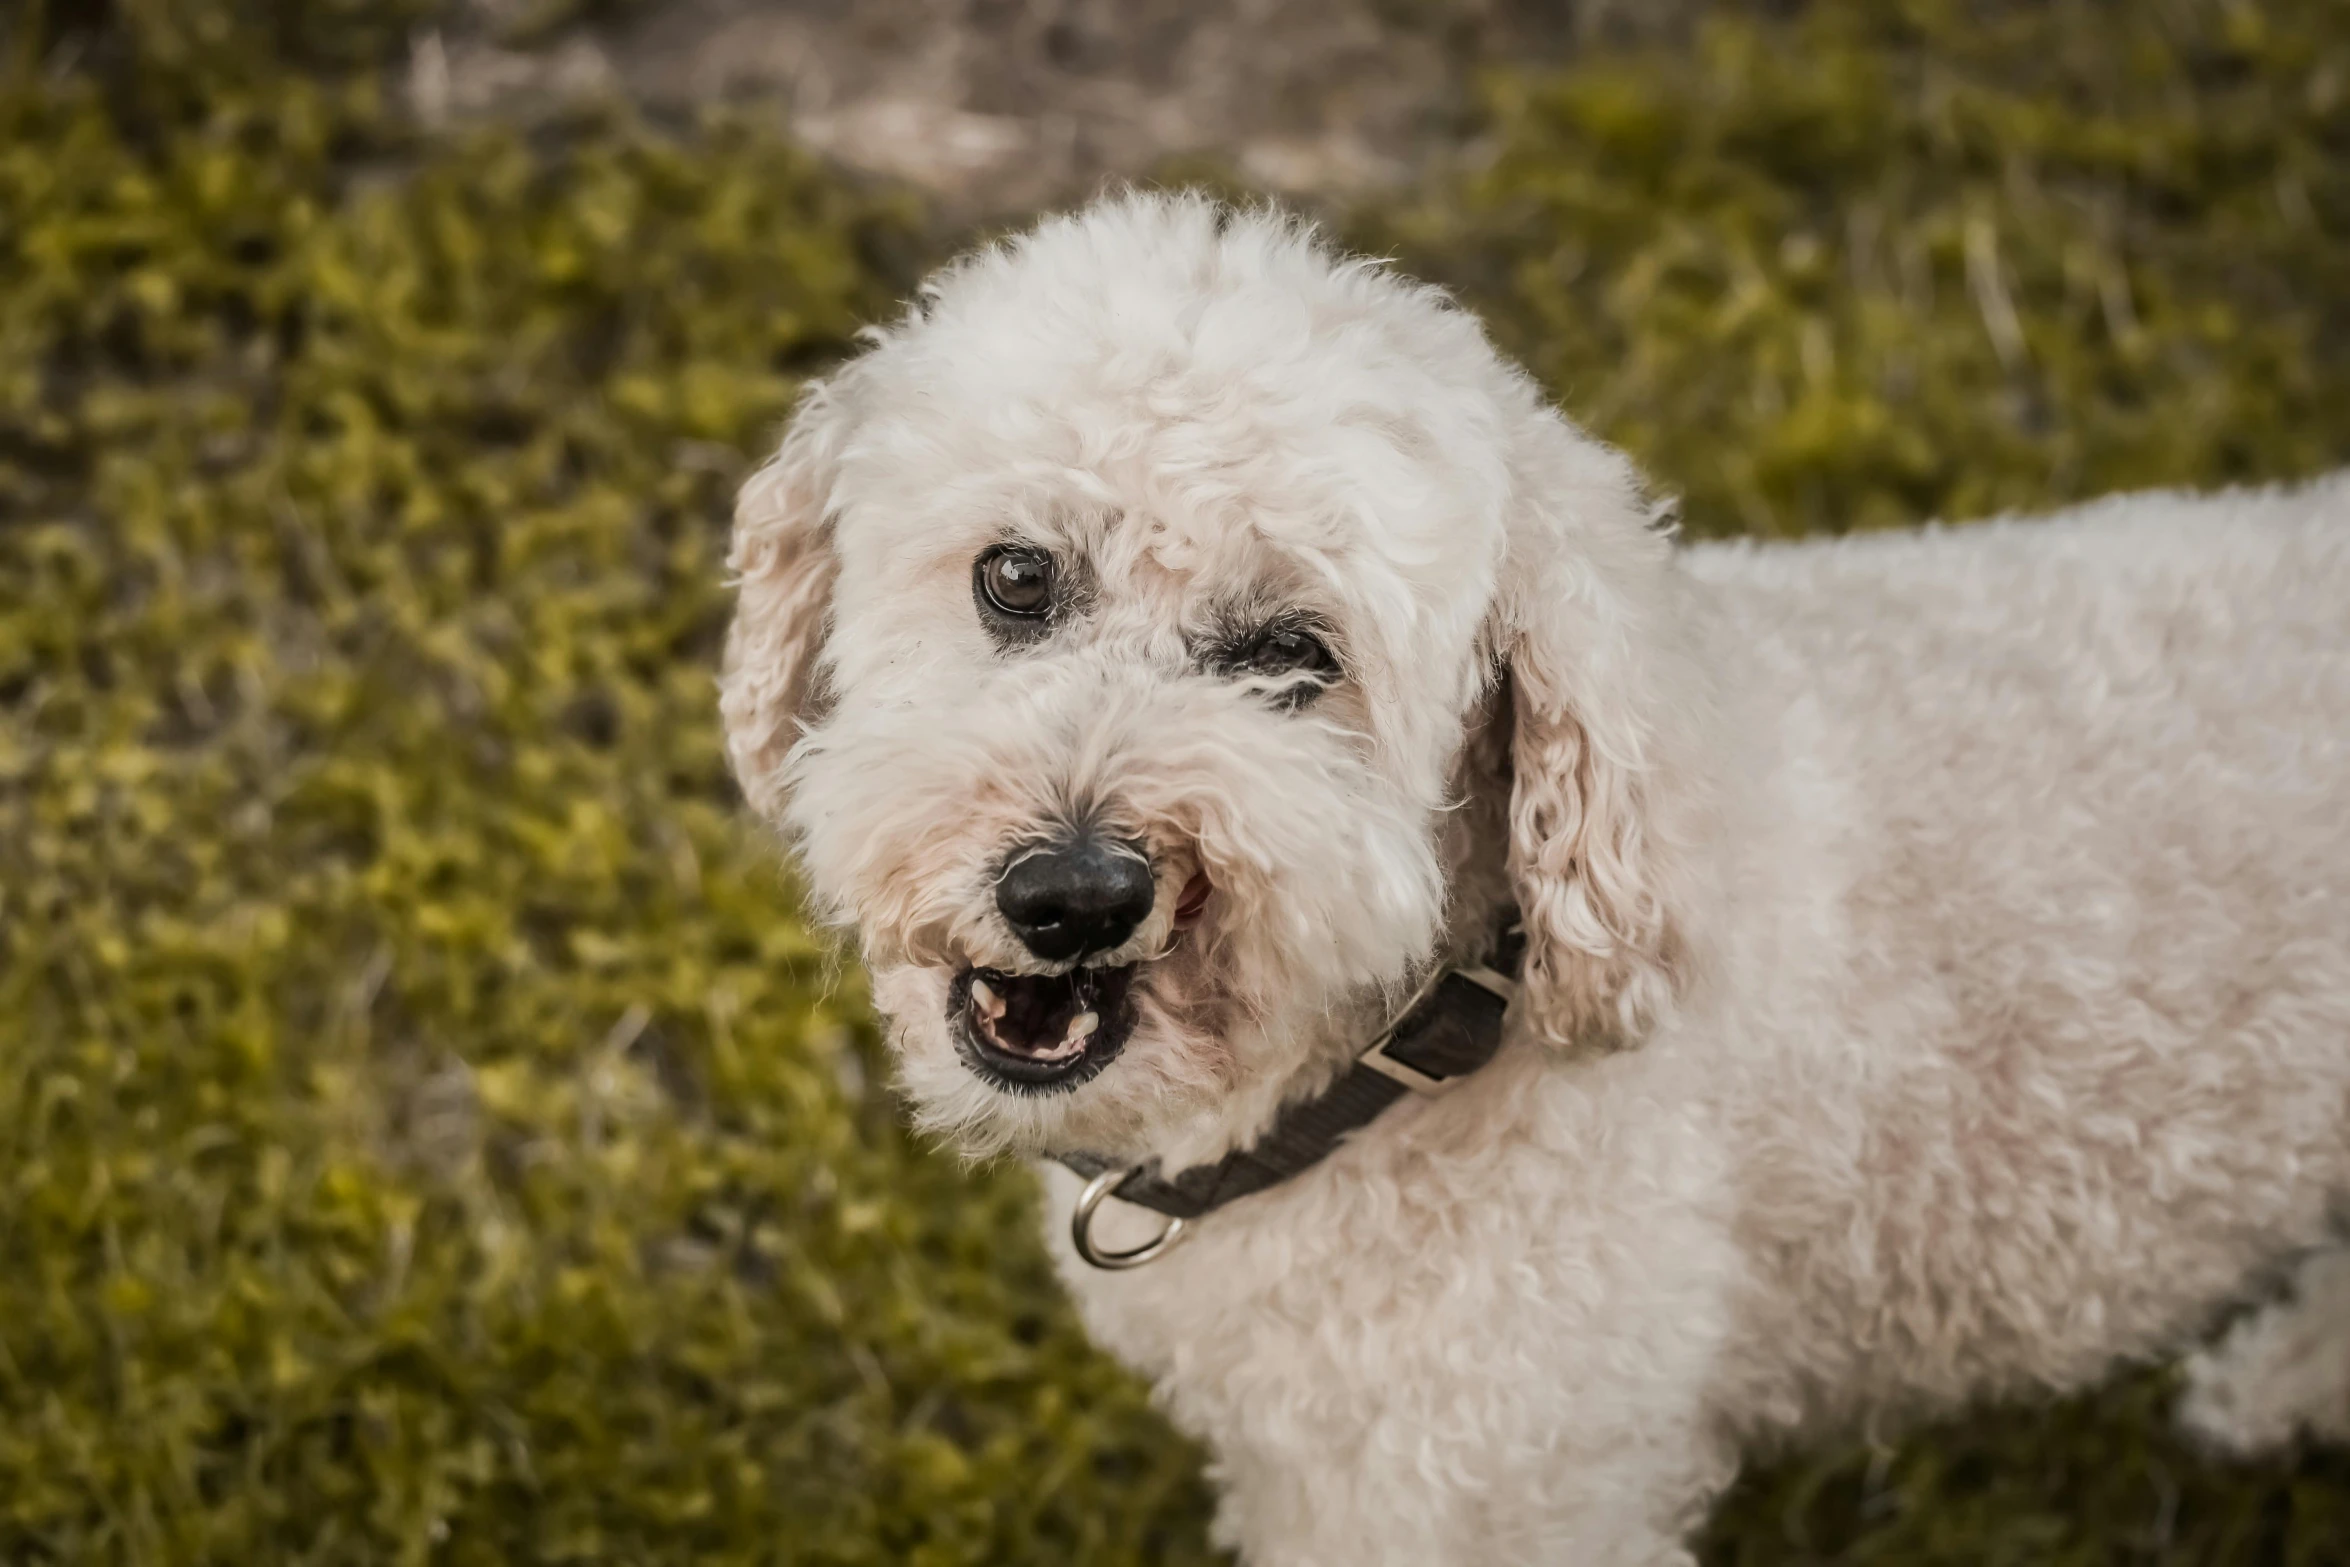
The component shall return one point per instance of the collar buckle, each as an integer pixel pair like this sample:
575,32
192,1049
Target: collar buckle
1384,1062
1387,1066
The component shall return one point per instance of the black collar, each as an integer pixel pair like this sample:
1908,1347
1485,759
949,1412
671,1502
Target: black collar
1449,1029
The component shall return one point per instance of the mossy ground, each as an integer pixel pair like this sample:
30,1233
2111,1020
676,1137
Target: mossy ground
428,1133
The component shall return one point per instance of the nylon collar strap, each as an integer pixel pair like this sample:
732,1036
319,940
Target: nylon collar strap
1449,1029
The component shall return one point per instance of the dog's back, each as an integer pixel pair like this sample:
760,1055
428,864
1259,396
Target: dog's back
2045,869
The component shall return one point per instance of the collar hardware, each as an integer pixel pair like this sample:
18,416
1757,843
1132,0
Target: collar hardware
1380,1059
1089,1203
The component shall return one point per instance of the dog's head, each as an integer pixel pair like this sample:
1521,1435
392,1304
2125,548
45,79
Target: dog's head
1131,642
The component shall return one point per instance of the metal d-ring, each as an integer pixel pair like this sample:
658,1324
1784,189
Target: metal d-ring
1081,1226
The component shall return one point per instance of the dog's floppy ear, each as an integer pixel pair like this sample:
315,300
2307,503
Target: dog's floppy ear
1605,706
772,682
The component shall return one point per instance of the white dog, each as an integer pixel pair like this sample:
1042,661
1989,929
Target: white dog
1171,646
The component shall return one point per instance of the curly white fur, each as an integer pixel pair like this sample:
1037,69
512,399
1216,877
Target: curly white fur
1940,968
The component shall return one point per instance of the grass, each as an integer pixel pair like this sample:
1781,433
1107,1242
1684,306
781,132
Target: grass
1893,261
429,1134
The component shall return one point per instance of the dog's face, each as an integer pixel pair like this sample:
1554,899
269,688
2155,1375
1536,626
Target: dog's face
1109,640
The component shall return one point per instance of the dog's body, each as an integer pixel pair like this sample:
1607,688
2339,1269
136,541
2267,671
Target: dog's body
1938,979
2028,1050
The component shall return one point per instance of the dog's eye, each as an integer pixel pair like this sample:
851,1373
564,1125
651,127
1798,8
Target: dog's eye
1015,580
1293,664
1288,650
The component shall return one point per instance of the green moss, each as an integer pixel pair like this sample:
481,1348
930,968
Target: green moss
1898,260
428,1130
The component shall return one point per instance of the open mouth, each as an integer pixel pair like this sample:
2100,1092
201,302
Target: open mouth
1039,1033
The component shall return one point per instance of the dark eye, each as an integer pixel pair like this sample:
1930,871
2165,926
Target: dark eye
1288,650
1015,580
1295,665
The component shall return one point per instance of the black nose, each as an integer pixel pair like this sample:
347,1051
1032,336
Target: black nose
1064,900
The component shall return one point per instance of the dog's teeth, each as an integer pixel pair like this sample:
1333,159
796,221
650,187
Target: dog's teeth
1081,1027
989,1004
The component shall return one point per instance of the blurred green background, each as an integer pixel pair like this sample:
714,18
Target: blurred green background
427,1131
